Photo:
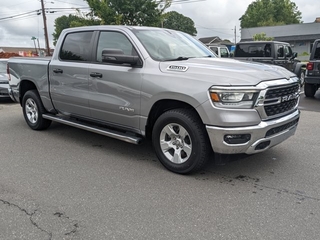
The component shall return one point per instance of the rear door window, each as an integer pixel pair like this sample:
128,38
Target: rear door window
76,47
253,50
280,52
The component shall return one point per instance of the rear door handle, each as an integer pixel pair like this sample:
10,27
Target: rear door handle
57,70
96,75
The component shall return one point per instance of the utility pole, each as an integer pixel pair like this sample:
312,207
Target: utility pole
45,28
235,35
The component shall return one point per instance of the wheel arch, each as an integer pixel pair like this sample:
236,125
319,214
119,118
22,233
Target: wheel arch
162,106
26,85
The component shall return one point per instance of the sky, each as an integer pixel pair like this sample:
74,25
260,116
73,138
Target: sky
20,20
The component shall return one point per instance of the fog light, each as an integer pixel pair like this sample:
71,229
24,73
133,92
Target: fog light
237,138
262,145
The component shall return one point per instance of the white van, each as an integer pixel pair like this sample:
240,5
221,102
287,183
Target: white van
221,50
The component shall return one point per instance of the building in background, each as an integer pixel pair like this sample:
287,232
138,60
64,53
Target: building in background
300,36
24,52
216,41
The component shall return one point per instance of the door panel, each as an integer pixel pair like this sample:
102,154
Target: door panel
70,89
115,97
115,88
69,75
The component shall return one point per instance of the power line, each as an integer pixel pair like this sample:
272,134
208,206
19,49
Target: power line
69,3
21,14
38,12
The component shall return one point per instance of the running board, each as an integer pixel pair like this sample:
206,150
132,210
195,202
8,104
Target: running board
96,129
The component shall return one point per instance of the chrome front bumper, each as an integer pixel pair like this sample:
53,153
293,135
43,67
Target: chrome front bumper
280,129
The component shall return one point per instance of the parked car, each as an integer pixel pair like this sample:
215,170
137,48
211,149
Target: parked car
4,79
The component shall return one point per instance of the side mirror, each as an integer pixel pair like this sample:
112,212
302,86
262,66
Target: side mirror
293,56
117,56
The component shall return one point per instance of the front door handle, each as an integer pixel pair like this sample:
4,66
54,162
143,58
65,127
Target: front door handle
96,75
57,70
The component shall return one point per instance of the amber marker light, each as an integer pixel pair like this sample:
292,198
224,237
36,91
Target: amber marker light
214,96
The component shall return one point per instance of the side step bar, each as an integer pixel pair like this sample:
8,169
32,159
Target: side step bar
96,129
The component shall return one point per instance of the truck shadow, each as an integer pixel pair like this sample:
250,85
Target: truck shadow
144,154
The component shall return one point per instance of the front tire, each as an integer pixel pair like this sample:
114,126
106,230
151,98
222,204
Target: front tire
302,77
310,89
180,141
33,110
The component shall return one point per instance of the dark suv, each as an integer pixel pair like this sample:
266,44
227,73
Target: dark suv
312,79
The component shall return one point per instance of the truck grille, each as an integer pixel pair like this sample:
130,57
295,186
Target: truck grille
281,100
281,128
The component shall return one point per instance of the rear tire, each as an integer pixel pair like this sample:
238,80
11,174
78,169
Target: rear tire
310,89
33,110
180,141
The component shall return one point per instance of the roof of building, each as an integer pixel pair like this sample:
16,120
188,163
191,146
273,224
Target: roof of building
209,40
303,31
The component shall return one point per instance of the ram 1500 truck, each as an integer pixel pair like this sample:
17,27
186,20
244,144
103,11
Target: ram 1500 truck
135,83
312,79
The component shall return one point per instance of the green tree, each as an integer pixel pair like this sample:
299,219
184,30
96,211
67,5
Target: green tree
128,12
72,21
177,21
270,13
114,12
261,37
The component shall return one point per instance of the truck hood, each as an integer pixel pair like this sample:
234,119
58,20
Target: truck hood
225,72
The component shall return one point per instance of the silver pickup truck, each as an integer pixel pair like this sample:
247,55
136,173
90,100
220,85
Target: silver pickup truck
135,83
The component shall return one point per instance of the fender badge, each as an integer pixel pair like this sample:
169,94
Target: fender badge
177,68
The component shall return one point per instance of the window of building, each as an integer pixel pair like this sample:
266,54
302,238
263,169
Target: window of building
76,47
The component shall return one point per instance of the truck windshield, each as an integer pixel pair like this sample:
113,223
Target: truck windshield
165,45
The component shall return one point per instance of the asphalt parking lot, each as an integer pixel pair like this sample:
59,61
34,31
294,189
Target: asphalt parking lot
66,183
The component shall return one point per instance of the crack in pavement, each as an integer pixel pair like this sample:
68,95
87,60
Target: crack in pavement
28,214
63,224
75,225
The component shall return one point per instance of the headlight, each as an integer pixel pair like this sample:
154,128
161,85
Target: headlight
235,98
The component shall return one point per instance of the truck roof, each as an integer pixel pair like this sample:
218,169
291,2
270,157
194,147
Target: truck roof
102,27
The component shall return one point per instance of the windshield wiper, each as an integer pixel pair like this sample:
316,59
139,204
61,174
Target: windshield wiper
178,59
